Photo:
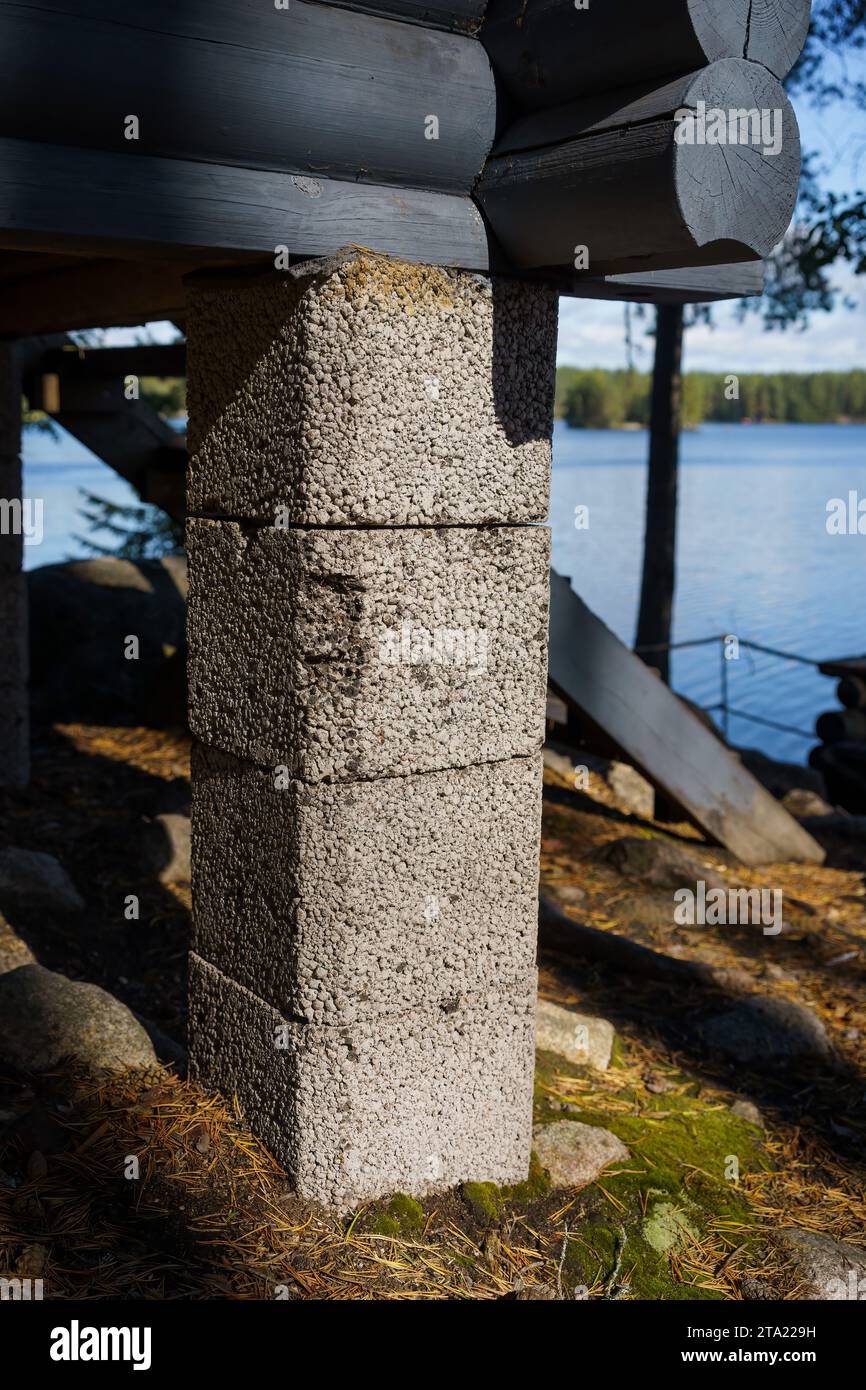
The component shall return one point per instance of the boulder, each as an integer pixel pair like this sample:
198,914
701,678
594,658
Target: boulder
81,614
761,1028
46,1019
30,879
657,863
832,1270
13,951
574,1154
578,1038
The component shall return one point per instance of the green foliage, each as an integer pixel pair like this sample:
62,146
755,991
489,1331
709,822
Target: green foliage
167,394
598,399
140,531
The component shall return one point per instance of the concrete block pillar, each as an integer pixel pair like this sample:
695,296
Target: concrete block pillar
369,450
14,726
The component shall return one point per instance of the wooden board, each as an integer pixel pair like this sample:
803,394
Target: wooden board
692,285
641,717
109,204
304,90
44,293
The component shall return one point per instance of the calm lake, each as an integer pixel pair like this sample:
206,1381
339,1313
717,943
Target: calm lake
754,555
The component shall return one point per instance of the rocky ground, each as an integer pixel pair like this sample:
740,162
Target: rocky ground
699,1128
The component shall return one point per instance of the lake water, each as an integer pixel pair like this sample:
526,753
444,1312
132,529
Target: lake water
754,556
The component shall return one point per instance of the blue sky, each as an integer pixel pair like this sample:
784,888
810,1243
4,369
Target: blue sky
591,334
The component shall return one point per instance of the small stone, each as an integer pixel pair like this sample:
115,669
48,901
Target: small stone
30,879
575,1154
761,1027
658,863
832,1270
167,847
46,1019
13,951
569,894
537,1293
578,1038
631,791
799,801
747,1110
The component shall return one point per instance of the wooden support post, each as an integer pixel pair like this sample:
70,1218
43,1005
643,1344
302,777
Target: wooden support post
369,445
14,724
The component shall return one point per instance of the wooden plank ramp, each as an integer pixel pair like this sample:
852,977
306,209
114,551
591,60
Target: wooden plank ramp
650,727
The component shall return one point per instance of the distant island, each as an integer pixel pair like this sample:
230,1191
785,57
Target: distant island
597,399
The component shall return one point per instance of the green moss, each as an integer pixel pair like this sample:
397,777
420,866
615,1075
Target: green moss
403,1216
485,1201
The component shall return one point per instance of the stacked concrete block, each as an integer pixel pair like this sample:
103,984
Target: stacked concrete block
370,442
14,727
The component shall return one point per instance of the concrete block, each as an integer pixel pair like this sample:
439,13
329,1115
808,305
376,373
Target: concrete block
361,654
337,902
413,1102
361,390
11,515
10,401
14,721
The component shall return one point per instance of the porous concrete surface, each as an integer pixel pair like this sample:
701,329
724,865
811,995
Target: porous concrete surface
10,400
339,902
362,390
11,541
579,1038
298,646
412,1102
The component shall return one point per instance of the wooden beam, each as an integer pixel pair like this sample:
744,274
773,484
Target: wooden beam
639,716
614,175
693,285
304,90
461,16
74,364
120,205
548,52
63,292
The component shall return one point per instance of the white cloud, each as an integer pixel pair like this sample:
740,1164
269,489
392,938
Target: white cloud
592,334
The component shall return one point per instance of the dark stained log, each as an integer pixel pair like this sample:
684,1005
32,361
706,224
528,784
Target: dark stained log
847,666
119,205
692,285
842,726
306,90
608,174
547,52
58,292
851,691
660,531
461,16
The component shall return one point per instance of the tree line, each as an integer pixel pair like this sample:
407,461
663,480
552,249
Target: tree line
600,399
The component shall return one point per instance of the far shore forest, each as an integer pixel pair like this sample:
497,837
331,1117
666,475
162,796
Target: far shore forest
599,399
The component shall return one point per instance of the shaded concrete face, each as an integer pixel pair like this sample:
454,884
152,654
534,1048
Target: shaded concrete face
362,391
369,704
14,723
